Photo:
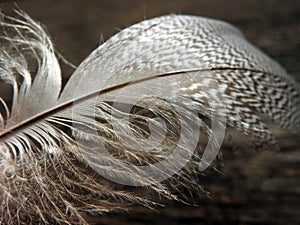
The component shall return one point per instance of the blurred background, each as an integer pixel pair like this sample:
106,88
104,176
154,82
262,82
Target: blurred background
255,187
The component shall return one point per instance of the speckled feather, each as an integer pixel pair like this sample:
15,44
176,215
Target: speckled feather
50,153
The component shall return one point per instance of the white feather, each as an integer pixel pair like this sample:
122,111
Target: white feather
55,144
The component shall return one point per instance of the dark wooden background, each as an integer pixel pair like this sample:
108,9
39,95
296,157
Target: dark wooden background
255,187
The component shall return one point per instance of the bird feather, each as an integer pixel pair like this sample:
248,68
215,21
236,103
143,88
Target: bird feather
132,113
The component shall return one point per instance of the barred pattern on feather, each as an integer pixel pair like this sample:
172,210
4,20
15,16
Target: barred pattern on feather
141,96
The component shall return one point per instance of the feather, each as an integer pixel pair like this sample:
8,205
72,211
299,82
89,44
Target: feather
133,113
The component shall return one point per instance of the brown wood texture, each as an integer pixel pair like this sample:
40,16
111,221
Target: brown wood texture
255,187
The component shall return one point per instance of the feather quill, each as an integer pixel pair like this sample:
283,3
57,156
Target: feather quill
132,113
